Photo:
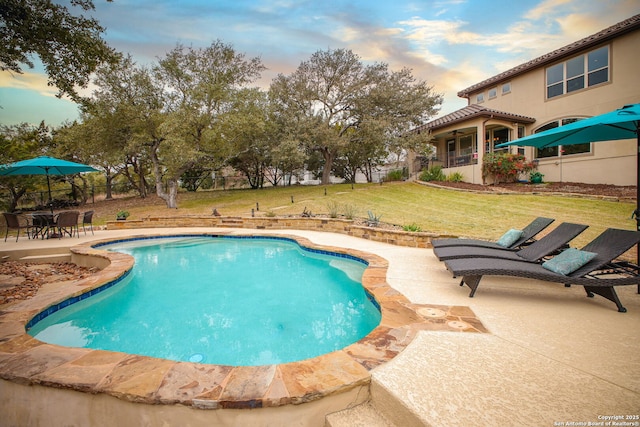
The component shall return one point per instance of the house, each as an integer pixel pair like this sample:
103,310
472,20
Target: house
592,76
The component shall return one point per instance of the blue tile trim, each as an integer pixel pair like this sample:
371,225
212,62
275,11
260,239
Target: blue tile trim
70,301
251,237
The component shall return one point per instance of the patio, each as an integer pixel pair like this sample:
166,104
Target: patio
551,355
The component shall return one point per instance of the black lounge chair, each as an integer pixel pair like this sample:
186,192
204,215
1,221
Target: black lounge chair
528,233
598,276
536,251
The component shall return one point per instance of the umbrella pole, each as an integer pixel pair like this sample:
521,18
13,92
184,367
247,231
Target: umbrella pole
51,202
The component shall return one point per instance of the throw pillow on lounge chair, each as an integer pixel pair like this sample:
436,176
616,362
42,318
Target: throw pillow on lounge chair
509,238
568,261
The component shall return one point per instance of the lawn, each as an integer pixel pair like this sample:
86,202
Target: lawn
441,211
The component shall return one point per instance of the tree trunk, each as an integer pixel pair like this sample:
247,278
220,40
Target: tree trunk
170,197
109,185
328,156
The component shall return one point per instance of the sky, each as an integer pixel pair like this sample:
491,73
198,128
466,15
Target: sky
450,44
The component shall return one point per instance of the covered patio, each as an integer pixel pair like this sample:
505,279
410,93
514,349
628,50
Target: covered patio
463,137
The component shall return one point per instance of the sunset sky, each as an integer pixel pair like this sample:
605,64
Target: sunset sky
451,44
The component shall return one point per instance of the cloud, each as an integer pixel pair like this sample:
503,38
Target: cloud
545,9
36,82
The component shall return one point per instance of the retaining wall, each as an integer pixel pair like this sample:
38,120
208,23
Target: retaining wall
395,237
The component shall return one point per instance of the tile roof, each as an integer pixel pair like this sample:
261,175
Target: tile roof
614,31
472,111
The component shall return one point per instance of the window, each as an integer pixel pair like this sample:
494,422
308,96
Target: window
493,92
494,137
520,135
565,150
466,145
506,88
480,98
598,66
578,73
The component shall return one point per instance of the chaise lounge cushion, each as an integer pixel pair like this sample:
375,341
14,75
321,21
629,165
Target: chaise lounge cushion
568,261
509,238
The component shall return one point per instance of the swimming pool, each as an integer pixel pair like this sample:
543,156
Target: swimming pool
223,300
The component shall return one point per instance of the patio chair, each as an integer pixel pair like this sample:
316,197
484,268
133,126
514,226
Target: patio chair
43,223
536,251
598,276
87,218
528,234
16,222
67,222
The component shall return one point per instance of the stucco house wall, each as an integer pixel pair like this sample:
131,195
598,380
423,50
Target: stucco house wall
612,162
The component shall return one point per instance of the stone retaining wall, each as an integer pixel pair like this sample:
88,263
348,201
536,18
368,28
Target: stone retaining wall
395,237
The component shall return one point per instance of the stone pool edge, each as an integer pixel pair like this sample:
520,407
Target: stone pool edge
25,360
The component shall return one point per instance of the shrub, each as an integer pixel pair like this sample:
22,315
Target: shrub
455,177
333,208
505,167
434,173
373,220
350,211
412,227
395,175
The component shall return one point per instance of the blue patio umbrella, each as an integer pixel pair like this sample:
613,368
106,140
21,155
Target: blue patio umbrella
44,166
623,123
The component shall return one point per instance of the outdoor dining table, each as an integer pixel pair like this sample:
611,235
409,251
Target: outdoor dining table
44,224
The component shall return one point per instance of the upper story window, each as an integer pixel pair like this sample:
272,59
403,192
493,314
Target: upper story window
493,92
506,88
578,73
480,98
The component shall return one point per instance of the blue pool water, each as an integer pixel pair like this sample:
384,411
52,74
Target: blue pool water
221,300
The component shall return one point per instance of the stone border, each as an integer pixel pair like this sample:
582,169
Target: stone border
504,191
331,225
28,361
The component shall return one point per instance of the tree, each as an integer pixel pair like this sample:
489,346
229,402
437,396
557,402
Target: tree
21,142
250,135
121,122
333,100
200,87
70,46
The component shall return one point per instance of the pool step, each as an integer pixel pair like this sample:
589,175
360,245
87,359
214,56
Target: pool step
364,415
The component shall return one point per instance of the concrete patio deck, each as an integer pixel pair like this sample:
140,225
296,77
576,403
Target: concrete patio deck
552,356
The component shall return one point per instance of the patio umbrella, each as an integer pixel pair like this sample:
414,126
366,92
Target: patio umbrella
623,123
44,166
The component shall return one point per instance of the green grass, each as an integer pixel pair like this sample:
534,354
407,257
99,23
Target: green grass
441,211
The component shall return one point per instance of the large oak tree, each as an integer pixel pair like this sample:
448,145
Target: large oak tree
334,100
69,45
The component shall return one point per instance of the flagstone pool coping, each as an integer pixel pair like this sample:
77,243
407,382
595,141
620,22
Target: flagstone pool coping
26,360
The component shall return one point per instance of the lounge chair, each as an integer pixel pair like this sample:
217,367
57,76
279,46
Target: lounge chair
16,222
536,251
598,276
528,234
